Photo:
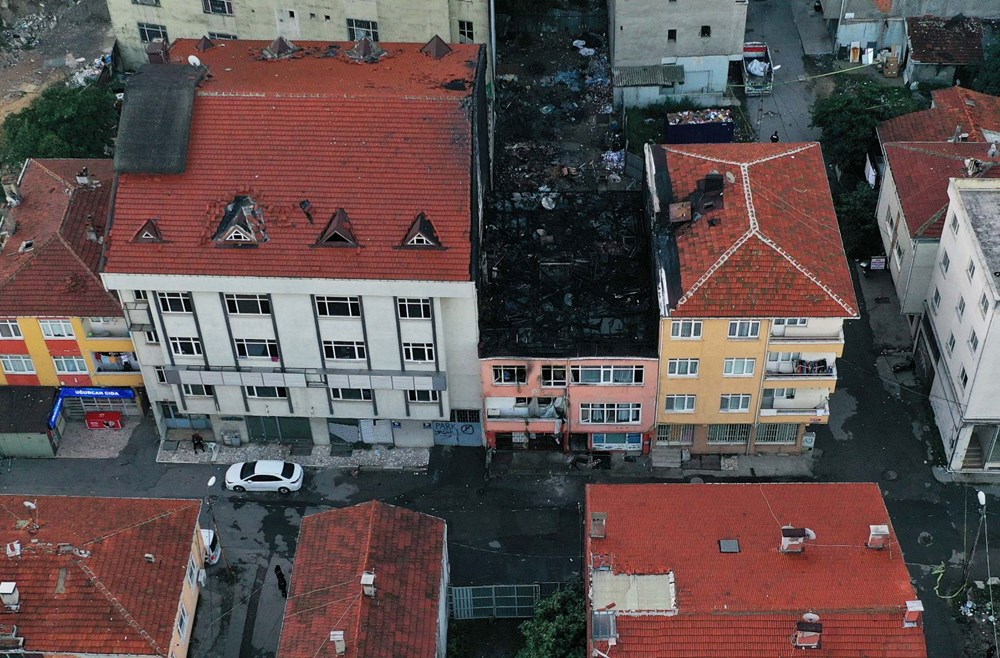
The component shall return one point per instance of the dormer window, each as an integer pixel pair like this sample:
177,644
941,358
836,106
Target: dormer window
238,234
150,232
242,224
421,233
338,232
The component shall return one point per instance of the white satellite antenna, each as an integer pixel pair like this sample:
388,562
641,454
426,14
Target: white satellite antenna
193,60
810,617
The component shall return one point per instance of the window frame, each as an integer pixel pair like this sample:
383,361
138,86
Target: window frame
945,261
726,403
355,29
364,395
936,299
225,7
325,304
519,374
356,347
953,224
160,373
222,36
589,409
553,381
47,324
671,36
253,392
607,375
973,340
22,359
413,396
963,378
12,326
146,31
960,307
950,344
207,390
182,299
422,305
234,301
752,326
677,329
984,305
152,337
691,367
77,361
177,341
680,397
466,32
269,345
412,350
182,621
731,361
705,32
630,441
971,269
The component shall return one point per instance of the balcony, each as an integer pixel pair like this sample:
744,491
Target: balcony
819,412
804,338
801,369
138,316
109,363
98,328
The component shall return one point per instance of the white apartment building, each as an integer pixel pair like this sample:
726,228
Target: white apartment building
138,23
283,292
957,338
664,49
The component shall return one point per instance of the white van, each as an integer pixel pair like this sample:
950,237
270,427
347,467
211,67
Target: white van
213,550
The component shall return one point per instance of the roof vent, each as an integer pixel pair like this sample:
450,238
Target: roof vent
9,595
793,540
972,166
14,549
280,47
679,212
204,44
149,557
26,246
992,151
148,232
436,48
878,537
338,232
366,50
914,614
368,584
83,177
10,190
714,221
808,632
598,525
421,233
729,545
339,644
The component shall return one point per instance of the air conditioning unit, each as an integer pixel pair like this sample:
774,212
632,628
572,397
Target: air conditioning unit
493,412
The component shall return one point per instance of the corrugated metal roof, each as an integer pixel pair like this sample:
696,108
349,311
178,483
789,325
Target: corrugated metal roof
647,76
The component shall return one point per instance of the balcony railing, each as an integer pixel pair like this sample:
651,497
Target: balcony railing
810,411
816,369
835,339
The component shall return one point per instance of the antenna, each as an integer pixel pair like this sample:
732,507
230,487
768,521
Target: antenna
810,617
193,60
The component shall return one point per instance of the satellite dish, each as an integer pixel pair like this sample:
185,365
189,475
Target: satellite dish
810,617
193,60
211,481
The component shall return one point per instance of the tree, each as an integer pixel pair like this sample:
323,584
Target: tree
559,628
848,119
987,78
858,225
63,122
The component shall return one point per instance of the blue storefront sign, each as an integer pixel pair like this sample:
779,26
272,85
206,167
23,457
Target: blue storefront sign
115,393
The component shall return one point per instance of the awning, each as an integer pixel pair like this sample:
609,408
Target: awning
647,76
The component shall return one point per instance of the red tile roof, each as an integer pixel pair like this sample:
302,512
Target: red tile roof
404,549
747,603
384,141
936,40
921,170
776,250
64,608
953,107
59,275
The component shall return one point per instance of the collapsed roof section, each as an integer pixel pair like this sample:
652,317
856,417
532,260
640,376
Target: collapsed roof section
567,275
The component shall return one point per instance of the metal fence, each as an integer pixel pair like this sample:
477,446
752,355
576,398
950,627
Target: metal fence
498,601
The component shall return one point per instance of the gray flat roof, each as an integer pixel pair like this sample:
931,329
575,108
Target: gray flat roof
983,208
26,408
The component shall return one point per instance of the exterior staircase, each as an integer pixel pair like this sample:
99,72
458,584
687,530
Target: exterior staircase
974,459
666,456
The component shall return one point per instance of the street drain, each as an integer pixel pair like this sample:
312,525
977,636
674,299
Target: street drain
925,539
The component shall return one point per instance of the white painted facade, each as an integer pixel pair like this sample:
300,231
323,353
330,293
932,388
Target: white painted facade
311,20
959,336
301,367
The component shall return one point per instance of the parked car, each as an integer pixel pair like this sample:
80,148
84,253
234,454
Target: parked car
264,475
213,550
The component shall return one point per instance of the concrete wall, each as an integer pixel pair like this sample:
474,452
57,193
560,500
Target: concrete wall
884,33
441,650
641,27
189,598
931,73
292,323
323,20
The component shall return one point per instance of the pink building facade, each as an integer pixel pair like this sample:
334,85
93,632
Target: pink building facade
600,404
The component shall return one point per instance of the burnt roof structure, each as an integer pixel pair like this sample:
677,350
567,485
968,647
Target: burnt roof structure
567,275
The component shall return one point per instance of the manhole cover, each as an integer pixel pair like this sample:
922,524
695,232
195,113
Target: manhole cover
890,475
697,480
925,539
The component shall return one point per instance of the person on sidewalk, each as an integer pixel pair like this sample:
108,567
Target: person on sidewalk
774,137
282,583
197,442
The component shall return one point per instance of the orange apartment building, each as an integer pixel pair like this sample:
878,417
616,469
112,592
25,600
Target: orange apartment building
59,327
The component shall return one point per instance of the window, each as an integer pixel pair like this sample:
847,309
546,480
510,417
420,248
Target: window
678,403
791,322
617,441
224,7
465,415
274,392
960,308
984,308
783,357
56,328
152,337
182,622
350,394
706,31
954,224
344,350
627,413
192,572
672,36
510,374
945,262
16,364
973,341
413,308
898,250
148,3
418,352
786,393
553,376
465,32
963,378
422,396
215,36
139,295
675,433
150,32
735,433
936,299
971,270
521,402
256,348
338,307
739,367
248,304
889,221
736,403
951,343
11,329
744,329
198,390
161,374
185,346
67,365
291,13
607,374
174,302
682,367
787,433
685,329
357,29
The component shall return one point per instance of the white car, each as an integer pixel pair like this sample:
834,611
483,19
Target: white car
213,550
264,475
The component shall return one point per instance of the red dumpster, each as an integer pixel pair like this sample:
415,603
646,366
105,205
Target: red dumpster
104,420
